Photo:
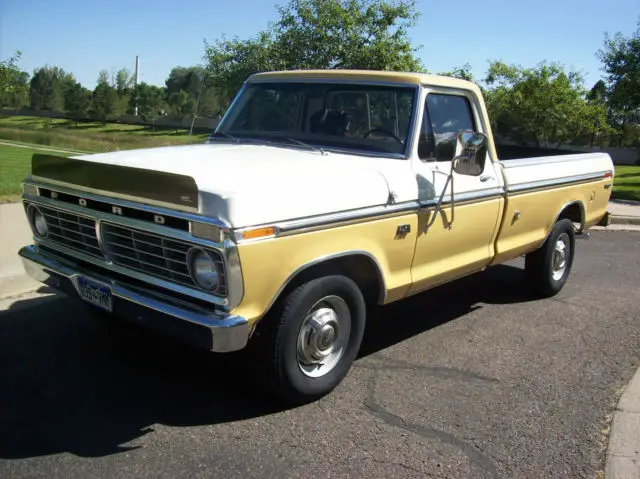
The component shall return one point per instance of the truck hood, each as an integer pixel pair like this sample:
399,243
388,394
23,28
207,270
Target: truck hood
247,184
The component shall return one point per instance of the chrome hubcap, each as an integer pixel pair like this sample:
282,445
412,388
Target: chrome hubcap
323,336
560,255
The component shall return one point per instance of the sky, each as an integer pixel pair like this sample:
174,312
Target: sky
84,37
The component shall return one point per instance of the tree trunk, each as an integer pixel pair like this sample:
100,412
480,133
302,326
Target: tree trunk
537,140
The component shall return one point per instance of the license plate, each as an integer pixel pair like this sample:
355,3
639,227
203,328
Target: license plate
95,293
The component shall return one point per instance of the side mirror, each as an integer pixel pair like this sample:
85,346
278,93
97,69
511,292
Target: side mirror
473,153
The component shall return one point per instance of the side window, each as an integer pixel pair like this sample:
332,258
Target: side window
444,116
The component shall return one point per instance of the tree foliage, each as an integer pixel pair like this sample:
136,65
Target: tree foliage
14,83
181,104
77,101
48,88
463,72
150,100
104,98
544,104
195,83
620,57
309,34
123,81
230,62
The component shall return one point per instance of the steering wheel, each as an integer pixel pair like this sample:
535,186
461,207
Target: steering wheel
386,132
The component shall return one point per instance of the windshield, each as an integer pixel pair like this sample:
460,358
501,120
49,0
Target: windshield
355,117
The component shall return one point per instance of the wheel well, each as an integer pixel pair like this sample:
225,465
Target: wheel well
573,212
362,269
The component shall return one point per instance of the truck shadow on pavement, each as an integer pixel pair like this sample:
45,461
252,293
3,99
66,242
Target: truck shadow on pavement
74,383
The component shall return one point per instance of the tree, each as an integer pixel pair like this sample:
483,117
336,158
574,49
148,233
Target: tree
191,80
123,84
596,113
369,34
48,87
104,98
184,78
124,81
359,34
150,101
77,101
230,62
463,72
598,93
14,83
621,60
181,105
544,104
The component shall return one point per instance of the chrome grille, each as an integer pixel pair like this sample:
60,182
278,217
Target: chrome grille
71,230
156,255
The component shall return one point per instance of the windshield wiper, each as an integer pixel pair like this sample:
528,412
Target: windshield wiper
307,145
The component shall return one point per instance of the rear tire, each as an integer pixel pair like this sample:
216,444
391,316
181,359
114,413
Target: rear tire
548,268
311,339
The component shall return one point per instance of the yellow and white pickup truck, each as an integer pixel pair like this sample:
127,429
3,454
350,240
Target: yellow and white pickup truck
320,195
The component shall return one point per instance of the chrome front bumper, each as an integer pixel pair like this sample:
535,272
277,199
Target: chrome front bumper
213,331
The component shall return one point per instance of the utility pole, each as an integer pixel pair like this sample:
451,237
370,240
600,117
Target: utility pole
135,83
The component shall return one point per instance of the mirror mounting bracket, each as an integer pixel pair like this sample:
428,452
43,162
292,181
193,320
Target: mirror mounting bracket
470,162
438,207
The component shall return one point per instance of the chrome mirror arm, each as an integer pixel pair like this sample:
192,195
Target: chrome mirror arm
439,204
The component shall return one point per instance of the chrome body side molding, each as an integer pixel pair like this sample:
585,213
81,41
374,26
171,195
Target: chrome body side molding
567,180
343,218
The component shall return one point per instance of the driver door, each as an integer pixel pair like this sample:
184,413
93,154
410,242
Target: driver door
459,239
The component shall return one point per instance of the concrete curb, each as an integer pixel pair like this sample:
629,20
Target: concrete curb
623,453
625,220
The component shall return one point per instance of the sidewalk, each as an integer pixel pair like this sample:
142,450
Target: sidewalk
624,212
14,233
623,453
622,216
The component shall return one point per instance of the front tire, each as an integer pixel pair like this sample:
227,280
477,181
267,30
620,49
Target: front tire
548,268
312,338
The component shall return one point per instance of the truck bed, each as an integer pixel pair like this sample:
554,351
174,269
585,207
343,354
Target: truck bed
549,170
516,152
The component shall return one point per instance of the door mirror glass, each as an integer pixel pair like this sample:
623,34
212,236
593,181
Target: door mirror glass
473,147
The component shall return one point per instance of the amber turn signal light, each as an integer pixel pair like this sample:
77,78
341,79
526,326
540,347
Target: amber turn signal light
259,233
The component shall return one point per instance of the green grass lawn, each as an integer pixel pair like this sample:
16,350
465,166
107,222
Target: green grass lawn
15,165
626,184
90,136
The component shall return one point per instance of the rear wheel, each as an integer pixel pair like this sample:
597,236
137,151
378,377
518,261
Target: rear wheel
312,338
548,268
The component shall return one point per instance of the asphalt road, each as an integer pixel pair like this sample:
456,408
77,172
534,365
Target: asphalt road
473,379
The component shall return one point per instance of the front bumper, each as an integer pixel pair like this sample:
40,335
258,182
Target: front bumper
213,331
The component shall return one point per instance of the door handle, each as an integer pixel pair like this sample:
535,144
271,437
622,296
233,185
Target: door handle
486,178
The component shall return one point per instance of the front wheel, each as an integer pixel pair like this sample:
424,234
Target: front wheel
548,268
313,338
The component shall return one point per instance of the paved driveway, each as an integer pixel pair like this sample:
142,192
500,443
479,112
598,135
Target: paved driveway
473,379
